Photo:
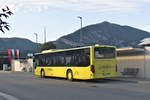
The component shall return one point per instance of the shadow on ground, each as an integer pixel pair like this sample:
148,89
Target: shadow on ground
103,80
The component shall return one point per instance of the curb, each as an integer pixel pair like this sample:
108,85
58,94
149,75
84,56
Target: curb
5,71
131,81
123,80
144,82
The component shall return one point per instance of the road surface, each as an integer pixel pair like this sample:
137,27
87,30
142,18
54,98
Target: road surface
26,86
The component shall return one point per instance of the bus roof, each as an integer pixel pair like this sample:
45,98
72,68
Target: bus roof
59,50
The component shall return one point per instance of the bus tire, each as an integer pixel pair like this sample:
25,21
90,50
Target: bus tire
42,73
69,75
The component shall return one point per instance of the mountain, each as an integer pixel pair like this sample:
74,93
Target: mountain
103,33
17,43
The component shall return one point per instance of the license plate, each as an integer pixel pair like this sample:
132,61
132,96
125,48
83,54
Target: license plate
106,73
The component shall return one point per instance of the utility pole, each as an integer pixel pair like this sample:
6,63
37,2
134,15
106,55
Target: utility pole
80,28
44,34
36,39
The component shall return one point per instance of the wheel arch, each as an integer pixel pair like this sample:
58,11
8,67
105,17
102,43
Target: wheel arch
42,69
68,71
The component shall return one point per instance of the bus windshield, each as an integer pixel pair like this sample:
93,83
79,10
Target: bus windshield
104,52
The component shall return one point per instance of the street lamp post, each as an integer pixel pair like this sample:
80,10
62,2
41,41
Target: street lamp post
80,28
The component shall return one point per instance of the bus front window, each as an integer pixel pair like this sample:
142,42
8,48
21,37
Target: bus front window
104,52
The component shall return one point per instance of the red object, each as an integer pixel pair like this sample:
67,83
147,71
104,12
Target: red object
9,53
92,68
17,53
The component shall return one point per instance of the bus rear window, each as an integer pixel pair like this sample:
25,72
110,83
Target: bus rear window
104,52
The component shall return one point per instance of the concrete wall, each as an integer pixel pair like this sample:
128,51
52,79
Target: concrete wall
22,65
131,62
147,62
15,65
137,61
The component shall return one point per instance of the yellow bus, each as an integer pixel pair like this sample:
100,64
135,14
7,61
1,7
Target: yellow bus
90,62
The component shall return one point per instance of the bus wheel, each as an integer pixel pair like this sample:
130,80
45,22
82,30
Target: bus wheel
69,75
42,74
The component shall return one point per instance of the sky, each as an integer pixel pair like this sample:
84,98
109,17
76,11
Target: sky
59,17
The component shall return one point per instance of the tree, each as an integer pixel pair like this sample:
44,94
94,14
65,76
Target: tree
47,46
3,24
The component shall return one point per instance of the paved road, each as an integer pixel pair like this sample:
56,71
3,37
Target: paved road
26,86
2,98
